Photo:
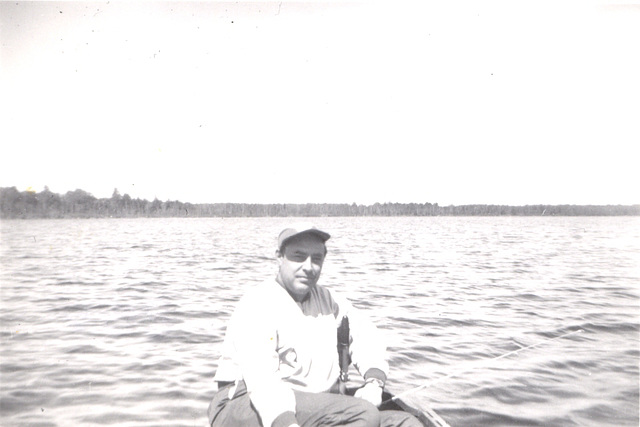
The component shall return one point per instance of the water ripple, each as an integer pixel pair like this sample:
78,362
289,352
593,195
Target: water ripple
120,322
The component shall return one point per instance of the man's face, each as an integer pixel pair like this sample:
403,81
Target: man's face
301,264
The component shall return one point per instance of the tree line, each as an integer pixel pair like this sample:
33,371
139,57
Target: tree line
16,204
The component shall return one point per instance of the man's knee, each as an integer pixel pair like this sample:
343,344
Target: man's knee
327,409
369,416
398,419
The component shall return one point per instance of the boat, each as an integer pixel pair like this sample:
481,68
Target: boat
427,416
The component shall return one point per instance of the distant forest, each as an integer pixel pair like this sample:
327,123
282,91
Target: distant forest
81,204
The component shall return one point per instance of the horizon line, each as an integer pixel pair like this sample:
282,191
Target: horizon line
33,191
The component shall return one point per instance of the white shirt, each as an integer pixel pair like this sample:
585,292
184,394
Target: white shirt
277,345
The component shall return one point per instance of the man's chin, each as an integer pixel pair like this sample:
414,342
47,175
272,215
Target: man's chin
302,289
304,283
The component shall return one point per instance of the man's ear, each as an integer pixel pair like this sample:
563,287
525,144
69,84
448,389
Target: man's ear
279,256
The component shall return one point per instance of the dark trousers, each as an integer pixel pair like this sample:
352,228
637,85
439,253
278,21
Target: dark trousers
312,410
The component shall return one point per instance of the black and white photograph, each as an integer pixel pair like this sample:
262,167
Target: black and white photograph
319,213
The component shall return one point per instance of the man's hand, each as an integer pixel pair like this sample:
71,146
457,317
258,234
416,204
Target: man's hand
371,392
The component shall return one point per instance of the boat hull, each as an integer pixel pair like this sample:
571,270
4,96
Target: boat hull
428,417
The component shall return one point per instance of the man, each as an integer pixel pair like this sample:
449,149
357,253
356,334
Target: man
279,365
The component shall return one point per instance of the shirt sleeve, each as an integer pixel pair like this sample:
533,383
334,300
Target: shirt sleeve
255,341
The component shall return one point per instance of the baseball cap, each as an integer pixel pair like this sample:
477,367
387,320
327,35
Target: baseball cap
298,229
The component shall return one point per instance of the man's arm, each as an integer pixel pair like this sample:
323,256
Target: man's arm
255,341
368,351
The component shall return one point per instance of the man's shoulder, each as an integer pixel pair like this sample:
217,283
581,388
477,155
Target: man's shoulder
324,302
339,301
330,294
261,293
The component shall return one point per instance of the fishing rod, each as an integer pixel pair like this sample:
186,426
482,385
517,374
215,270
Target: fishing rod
464,371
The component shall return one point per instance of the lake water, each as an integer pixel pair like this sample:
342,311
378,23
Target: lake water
120,321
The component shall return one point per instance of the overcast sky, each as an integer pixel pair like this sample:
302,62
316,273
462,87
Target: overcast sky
448,102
